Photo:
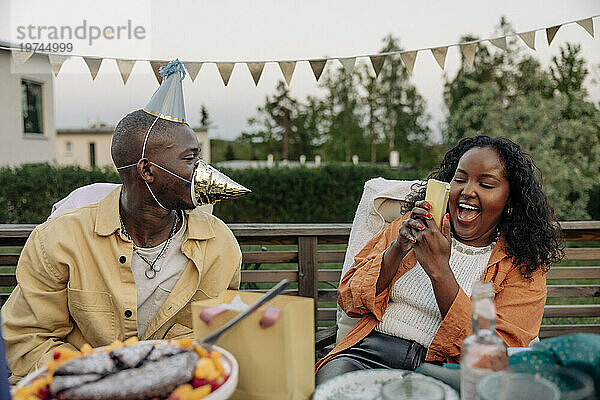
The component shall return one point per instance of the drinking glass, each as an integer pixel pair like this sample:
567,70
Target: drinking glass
412,387
510,386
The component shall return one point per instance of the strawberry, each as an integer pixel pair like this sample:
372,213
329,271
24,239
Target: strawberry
216,384
197,382
44,393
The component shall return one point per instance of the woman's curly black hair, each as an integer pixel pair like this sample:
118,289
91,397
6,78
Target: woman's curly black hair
532,233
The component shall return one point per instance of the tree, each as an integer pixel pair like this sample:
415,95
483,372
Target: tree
357,110
309,126
569,71
274,121
229,154
482,92
567,151
373,104
341,112
403,109
205,121
285,126
546,112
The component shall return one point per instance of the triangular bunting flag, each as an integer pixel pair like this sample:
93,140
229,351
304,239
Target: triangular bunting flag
225,69
125,67
528,38
468,51
348,63
256,69
56,61
439,53
588,25
287,68
409,59
551,32
193,68
377,62
93,65
155,67
317,67
19,57
500,43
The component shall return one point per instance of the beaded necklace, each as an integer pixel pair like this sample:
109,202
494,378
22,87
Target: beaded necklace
470,250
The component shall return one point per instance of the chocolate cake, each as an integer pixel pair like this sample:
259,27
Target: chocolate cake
140,371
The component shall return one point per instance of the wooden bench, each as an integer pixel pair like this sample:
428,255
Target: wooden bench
311,256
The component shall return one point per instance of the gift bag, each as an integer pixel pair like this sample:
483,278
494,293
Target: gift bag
276,362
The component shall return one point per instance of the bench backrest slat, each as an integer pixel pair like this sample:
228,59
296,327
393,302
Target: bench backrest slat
311,256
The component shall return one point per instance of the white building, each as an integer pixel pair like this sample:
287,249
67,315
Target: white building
27,128
90,147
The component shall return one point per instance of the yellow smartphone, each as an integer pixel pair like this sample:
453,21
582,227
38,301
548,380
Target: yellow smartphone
437,195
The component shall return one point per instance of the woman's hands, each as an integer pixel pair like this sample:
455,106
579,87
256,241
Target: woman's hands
413,225
432,248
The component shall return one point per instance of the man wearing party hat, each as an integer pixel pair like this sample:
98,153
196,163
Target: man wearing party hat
130,264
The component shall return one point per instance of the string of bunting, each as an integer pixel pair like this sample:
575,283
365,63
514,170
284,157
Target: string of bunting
287,67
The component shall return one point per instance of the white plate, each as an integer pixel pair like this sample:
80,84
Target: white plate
222,393
367,384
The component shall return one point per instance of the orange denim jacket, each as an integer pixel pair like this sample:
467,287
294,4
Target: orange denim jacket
519,301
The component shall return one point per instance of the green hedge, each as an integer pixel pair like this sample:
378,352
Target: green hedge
327,194
27,192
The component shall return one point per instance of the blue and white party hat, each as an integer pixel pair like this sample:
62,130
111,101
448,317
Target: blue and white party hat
167,102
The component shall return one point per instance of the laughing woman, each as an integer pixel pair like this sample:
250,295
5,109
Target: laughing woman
411,284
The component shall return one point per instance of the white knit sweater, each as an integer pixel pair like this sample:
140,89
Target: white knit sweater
412,312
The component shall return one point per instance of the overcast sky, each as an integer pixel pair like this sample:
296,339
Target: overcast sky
221,30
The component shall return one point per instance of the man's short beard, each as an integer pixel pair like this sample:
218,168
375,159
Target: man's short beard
182,205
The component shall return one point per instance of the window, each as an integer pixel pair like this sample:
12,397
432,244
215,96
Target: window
69,147
93,155
31,93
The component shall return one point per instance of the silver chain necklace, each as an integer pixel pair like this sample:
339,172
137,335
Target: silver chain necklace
152,267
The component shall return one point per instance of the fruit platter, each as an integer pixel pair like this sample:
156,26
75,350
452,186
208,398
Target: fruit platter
132,370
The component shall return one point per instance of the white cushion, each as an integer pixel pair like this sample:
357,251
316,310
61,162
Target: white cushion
92,194
379,205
